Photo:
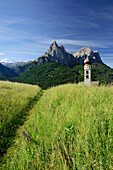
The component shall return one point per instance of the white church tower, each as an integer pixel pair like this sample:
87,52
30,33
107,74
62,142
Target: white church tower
87,72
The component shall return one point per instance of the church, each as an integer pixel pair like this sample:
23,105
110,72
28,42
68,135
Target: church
87,74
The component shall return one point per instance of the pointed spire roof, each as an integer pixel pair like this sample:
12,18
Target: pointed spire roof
87,61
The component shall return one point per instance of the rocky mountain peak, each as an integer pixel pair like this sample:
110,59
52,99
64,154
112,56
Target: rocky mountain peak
86,51
57,54
83,51
54,44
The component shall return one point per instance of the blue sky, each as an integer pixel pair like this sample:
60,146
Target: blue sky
28,27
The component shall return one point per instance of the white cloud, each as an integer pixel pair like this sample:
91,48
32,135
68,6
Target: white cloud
1,53
4,60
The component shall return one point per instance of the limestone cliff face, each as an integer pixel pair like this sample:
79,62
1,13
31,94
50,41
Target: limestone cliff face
86,51
58,54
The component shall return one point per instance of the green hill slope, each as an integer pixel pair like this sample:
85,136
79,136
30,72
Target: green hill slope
6,72
69,128
52,74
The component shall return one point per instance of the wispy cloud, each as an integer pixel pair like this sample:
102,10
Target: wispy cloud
11,33
1,53
81,43
23,52
107,55
76,42
107,58
14,20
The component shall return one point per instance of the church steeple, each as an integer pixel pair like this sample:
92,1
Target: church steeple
87,72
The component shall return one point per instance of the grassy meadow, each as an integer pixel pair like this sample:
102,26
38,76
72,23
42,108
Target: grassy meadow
70,127
15,100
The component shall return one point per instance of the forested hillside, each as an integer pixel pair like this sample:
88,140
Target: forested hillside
52,74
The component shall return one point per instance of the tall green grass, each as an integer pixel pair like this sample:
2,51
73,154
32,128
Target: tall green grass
15,100
71,127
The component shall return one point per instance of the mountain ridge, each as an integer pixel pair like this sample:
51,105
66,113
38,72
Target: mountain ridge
58,54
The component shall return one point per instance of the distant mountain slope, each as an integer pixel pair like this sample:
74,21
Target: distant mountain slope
15,64
6,72
52,74
19,69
